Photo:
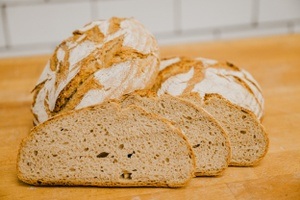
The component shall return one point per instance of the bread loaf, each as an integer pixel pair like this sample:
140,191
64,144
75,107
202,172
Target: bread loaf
193,80
205,76
105,145
103,60
209,141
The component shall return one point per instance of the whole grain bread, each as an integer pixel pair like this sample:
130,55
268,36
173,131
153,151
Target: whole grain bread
190,79
106,145
103,60
207,138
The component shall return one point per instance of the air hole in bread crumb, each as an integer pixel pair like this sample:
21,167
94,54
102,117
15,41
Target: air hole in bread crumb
244,117
102,155
91,130
126,175
121,146
66,143
54,155
72,169
35,153
130,154
86,149
243,132
254,136
187,117
39,182
167,160
197,145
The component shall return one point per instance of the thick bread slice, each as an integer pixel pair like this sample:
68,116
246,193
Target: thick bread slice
105,145
248,138
103,60
209,141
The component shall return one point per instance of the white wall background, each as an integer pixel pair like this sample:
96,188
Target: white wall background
29,27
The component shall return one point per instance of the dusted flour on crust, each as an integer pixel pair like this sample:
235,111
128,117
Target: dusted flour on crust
181,75
103,60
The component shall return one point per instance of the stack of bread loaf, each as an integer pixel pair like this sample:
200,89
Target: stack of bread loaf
110,112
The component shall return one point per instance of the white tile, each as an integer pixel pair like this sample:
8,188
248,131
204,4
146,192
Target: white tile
278,10
297,27
184,38
2,38
44,23
198,14
156,15
254,32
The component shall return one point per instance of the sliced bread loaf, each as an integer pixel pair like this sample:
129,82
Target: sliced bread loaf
103,60
209,141
105,145
191,80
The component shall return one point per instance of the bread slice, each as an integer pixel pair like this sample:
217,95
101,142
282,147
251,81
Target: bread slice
105,145
209,141
103,60
215,87
248,138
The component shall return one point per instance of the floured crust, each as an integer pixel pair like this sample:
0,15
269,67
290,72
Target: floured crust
182,75
83,69
40,137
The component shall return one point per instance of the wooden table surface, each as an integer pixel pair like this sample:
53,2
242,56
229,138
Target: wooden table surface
273,61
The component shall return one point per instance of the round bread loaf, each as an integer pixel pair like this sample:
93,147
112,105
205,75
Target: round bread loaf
182,75
103,60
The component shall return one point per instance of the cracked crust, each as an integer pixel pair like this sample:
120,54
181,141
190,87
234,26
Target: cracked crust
74,74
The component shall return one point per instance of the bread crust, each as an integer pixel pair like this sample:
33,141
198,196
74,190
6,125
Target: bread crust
83,68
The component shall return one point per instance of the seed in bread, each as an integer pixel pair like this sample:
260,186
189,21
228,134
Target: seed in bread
105,145
103,60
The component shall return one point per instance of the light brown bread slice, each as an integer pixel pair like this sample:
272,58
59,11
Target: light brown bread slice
207,138
248,138
105,145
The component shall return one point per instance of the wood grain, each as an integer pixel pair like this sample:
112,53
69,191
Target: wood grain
273,61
